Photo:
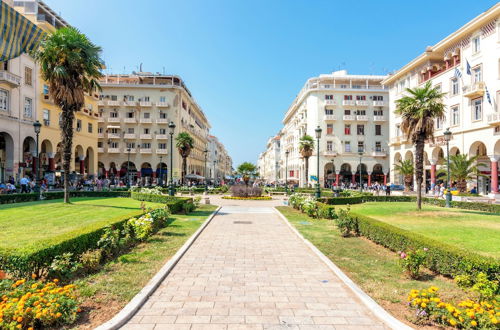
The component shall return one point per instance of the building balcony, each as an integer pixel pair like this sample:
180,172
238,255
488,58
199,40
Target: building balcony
145,151
130,103
161,151
494,118
348,102
379,119
162,104
362,103
330,117
362,118
114,103
100,120
146,121
161,136
379,103
475,90
114,135
10,79
330,102
101,103
129,136
130,120
113,119
395,140
145,103
162,121
379,153
146,136
100,150
100,135
114,150
330,153
349,117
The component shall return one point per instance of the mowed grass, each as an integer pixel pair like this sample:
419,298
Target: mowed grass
28,224
471,230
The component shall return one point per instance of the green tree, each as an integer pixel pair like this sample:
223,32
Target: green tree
70,64
247,171
418,110
184,143
462,169
306,148
406,169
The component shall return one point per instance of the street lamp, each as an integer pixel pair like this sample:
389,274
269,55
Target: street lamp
128,167
215,162
37,126
360,153
160,183
333,171
171,127
447,138
286,172
318,131
206,183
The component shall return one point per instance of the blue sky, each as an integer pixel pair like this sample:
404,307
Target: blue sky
244,61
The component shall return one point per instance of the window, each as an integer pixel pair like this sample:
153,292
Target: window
347,146
89,127
476,44
378,98
163,115
130,145
112,131
329,129
356,86
113,114
130,114
439,123
146,131
378,112
114,98
45,90
329,145
28,76
378,129
361,146
146,115
361,112
46,117
378,146
100,130
114,145
146,98
99,144
130,130
398,130
361,129
361,97
438,87
78,125
477,111
328,97
454,86
347,129
455,115
146,145
347,112
328,112
4,100
163,131
162,146
347,97
163,99
130,97
476,74
28,107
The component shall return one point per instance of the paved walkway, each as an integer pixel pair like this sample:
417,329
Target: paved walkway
248,270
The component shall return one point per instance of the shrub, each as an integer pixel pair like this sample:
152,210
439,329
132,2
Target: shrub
260,198
188,207
110,241
174,204
326,211
91,260
241,190
346,224
142,227
411,261
64,266
296,200
31,197
310,207
479,284
36,304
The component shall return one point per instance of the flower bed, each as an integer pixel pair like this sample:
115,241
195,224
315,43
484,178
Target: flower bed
256,198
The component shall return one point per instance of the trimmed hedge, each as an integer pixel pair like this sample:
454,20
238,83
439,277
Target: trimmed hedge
175,204
32,197
442,258
326,211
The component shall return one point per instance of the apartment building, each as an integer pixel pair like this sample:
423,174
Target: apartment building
269,161
466,66
352,111
219,163
134,113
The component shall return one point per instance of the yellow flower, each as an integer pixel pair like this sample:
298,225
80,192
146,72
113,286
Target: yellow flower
423,305
452,322
473,323
494,320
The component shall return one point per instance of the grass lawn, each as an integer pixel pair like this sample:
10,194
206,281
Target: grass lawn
29,224
106,292
374,268
471,230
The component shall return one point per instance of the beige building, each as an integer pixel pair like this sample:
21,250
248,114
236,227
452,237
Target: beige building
466,67
352,111
268,163
134,113
219,163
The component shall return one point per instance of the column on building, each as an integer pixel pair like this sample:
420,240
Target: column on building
82,164
369,178
433,174
52,163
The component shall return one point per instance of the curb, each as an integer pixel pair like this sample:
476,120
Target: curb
371,304
140,298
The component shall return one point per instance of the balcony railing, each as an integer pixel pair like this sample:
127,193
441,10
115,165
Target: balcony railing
362,118
330,117
331,153
379,153
146,121
101,103
100,150
146,136
475,90
114,135
378,103
145,151
362,103
100,120
161,151
129,136
379,118
330,102
10,78
161,136
162,104
100,135
114,150
130,120
348,102
349,117
145,103
494,118
162,121
130,103
113,103
113,119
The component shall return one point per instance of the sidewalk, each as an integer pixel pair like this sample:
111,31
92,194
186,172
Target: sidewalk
248,270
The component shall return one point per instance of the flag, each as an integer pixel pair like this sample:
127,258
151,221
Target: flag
19,35
458,74
468,68
488,95
314,178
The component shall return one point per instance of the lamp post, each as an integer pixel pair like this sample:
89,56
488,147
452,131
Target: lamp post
360,153
206,183
171,127
447,138
286,172
333,171
215,162
318,131
37,127
160,182
128,167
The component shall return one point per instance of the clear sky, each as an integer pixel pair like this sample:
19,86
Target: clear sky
244,61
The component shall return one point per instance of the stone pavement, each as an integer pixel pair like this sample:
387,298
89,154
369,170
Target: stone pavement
248,270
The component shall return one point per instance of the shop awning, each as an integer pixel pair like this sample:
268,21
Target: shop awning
19,34
195,177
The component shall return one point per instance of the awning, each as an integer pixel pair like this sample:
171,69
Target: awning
195,176
113,126
19,34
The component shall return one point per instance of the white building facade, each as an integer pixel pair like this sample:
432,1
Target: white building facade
466,67
269,161
352,111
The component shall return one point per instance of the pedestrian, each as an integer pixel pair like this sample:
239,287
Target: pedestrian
388,190
24,184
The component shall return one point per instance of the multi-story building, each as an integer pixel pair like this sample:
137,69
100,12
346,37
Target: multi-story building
269,161
219,163
466,67
352,111
134,113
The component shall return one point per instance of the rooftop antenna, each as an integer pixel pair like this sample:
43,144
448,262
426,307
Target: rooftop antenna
140,67
124,70
163,70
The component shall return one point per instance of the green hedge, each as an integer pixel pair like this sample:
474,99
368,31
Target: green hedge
31,197
442,258
175,204
326,211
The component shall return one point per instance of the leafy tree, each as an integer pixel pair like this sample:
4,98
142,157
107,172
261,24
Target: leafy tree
71,64
418,111
306,147
462,169
247,170
406,169
184,143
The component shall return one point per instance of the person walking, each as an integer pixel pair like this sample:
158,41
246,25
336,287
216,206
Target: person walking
24,184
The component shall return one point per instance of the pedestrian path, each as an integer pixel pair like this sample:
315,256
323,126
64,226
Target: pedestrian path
248,270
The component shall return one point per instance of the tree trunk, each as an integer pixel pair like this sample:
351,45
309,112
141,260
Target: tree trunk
184,169
67,118
306,171
419,168
462,186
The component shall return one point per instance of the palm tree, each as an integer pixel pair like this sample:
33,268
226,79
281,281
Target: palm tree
306,147
405,168
247,170
418,110
184,143
463,169
70,63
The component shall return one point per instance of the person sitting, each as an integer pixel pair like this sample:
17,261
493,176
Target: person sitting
473,190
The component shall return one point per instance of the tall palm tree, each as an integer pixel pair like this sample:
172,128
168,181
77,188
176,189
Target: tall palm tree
419,110
463,169
184,143
405,168
247,171
306,147
70,64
